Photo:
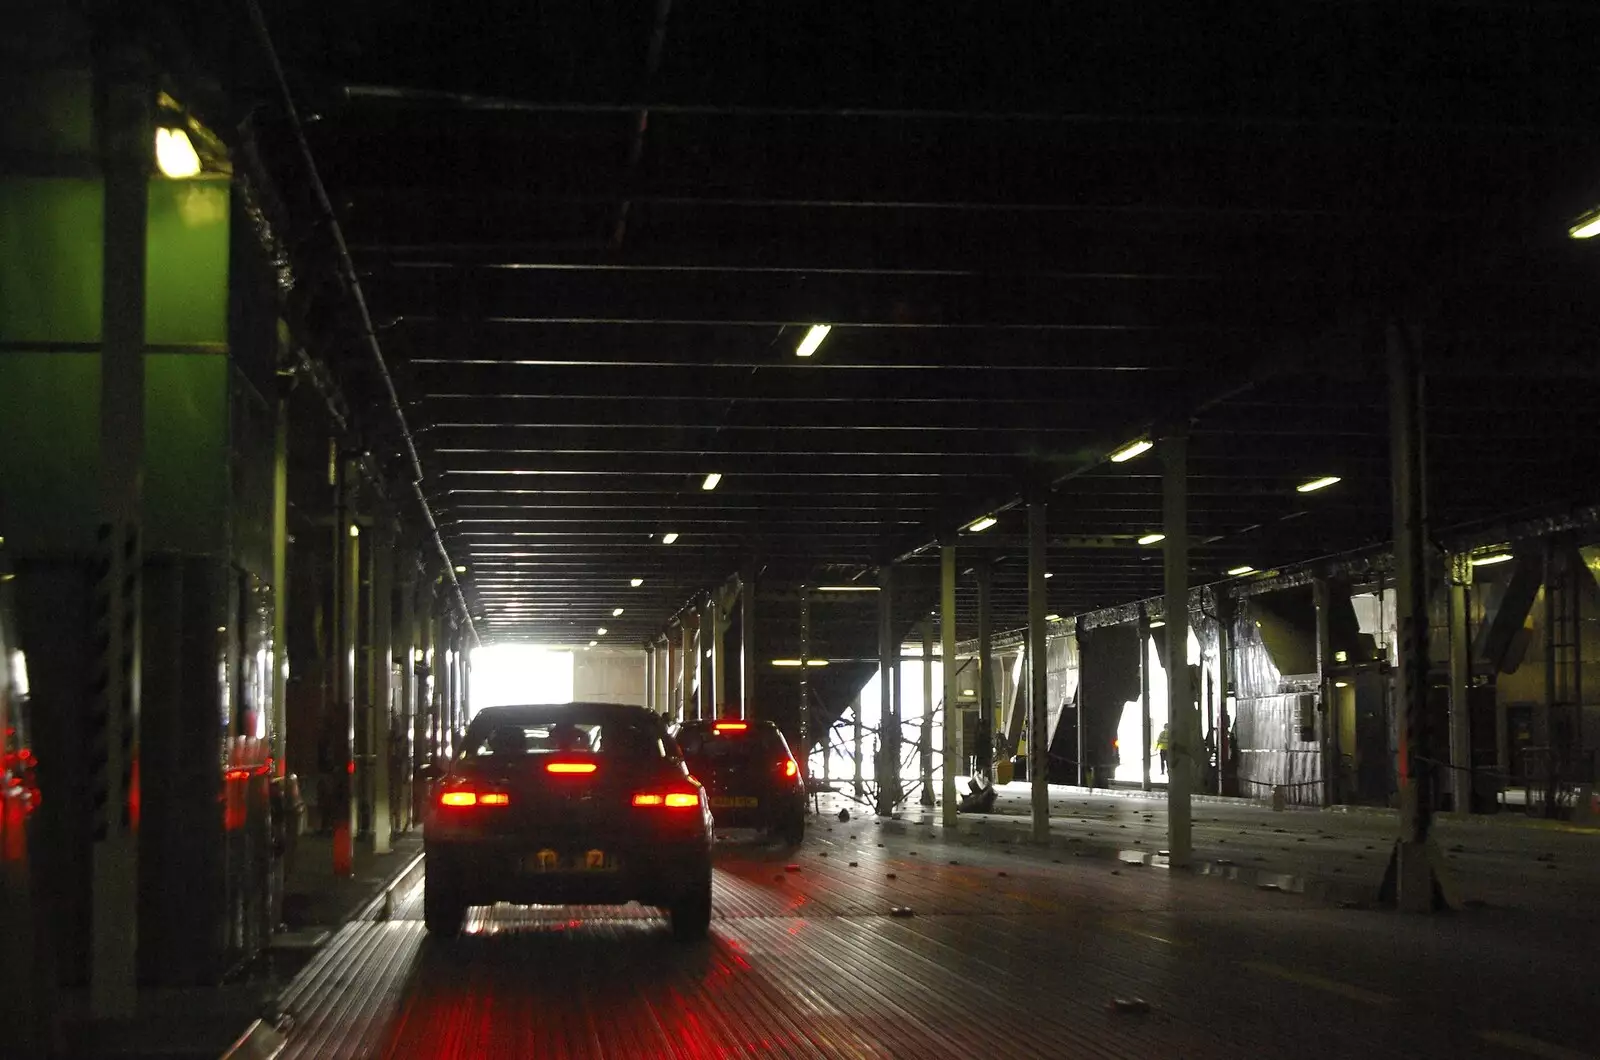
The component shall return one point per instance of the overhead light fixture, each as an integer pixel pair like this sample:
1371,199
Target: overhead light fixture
175,154
636,582
616,612
796,662
813,339
1316,484
1131,450
968,693
592,643
1047,574
460,569
847,588
1490,559
1052,618
1587,226
355,531
600,632
1156,623
669,538
711,481
1341,684
1150,539
1243,568
1341,656
978,526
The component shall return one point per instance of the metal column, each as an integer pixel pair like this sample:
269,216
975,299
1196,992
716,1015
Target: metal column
1182,728
986,718
687,669
1225,763
1038,685
749,666
955,752
649,676
380,673
718,699
405,650
925,734
1411,879
1329,723
857,781
126,99
1145,749
805,687
280,589
1461,775
347,579
886,770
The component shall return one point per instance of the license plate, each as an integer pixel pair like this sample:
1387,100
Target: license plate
734,802
569,861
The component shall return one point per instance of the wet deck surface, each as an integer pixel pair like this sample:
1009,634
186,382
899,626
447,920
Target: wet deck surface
1011,951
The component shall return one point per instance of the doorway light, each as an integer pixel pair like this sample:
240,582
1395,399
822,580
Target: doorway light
813,339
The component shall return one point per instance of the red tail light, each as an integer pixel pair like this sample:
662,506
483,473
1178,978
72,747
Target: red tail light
678,800
570,767
790,767
463,797
459,798
731,726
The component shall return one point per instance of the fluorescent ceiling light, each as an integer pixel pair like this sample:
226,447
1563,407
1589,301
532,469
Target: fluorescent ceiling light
616,612
711,481
355,531
847,588
978,526
796,662
1587,226
600,632
669,538
636,582
592,643
1243,568
1052,618
813,339
460,569
965,692
175,155
1150,539
1490,559
1047,574
1341,684
1131,450
1316,484
1156,623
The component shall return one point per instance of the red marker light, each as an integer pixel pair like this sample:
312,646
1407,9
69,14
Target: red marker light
731,726
570,767
647,800
682,799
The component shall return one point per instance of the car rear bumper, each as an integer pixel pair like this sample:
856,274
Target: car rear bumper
484,871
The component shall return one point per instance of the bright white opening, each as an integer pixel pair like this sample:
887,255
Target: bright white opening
509,674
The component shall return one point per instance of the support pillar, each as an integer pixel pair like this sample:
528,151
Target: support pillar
686,670
1182,728
805,686
1227,768
405,650
749,666
1038,686
1461,773
955,752
925,735
1412,880
125,124
347,580
1145,748
1328,714
886,769
856,779
381,681
718,699
986,717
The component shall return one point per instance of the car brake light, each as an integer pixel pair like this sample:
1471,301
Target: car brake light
459,798
731,726
494,798
790,767
672,799
570,767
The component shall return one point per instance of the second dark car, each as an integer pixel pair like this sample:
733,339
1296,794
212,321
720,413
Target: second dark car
751,778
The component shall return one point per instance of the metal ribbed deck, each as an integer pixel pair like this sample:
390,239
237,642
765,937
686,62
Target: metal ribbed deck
1007,954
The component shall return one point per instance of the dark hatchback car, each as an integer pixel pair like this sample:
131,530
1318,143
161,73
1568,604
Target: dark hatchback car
580,803
750,777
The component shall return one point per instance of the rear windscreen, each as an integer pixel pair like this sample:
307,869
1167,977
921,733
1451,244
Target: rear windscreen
619,739
710,744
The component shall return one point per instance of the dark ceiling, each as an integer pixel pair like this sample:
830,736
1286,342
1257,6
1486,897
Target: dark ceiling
591,236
